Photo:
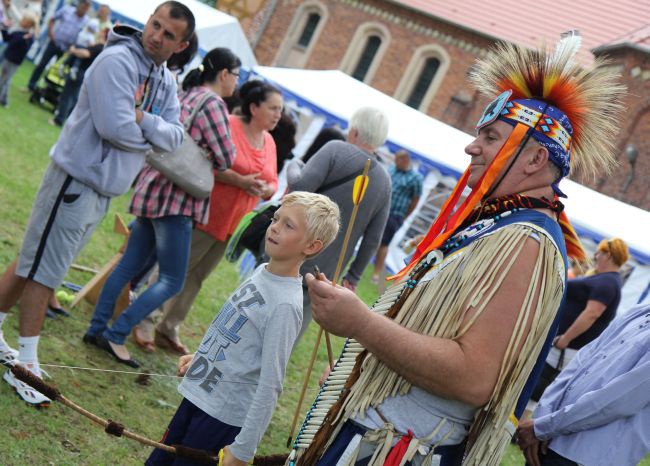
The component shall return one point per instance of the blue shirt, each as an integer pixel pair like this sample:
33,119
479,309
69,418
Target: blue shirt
67,26
406,185
597,412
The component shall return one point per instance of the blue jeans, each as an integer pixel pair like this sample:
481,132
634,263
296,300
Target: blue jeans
51,50
68,98
169,239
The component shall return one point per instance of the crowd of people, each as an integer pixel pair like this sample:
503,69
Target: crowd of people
480,320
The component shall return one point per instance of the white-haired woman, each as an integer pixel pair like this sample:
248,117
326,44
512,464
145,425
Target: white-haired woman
331,171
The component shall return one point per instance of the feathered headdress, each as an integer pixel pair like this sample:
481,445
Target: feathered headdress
583,102
570,110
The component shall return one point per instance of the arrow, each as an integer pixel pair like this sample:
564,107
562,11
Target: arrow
358,192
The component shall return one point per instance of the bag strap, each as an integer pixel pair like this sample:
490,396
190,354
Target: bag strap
190,119
345,179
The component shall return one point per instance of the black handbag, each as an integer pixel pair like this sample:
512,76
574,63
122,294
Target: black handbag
251,229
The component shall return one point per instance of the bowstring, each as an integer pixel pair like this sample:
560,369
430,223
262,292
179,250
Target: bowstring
153,374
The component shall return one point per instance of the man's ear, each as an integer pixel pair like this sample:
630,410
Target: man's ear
182,46
314,247
538,160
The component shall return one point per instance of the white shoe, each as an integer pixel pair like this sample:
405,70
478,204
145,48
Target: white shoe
8,355
24,391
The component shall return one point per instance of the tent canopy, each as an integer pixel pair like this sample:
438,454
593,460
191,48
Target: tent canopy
213,27
337,96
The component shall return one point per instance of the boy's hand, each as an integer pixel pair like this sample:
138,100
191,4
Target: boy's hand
230,460
184,364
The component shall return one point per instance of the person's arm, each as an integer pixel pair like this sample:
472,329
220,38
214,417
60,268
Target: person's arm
165,131
79,52
417,193
249,183
280,334
412,206
583,322
270,172
111,87
369,245
50,29
313,174
294,169
465,369
213,124
622,397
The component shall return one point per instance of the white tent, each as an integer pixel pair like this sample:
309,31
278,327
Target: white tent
438,148
213,27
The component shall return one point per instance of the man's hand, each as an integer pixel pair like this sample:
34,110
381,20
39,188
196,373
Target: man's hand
337,309
561,342
230,460
348,284
530,445
184,364
138,115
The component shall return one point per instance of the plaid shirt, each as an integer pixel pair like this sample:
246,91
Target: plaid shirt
406,186
67,26
154,195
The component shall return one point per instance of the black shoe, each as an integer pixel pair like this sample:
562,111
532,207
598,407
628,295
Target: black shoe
59,310
49,313
89,339
103,343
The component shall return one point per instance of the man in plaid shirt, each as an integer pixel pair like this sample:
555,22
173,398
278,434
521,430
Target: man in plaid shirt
407,189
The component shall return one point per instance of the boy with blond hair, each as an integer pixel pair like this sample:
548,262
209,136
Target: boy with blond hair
232,382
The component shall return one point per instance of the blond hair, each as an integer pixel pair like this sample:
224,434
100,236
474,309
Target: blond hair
322,215
616,248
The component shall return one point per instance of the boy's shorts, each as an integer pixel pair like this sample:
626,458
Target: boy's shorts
64,216
192,427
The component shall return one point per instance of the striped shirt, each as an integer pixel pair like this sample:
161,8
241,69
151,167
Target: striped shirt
67,26
154,195
406,185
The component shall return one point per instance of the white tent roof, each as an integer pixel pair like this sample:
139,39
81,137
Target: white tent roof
213,27
340,95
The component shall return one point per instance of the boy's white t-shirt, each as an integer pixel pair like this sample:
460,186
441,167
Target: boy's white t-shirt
237,372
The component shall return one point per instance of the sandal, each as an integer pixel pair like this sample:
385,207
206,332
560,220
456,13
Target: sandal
147,346
163,341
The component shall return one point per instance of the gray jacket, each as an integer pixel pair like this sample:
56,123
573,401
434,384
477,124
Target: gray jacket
101,144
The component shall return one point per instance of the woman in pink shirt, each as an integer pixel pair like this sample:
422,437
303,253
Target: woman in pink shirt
252,176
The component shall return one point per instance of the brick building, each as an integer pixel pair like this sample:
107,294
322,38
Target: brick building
420,51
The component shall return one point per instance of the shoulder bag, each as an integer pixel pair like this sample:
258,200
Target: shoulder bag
189,166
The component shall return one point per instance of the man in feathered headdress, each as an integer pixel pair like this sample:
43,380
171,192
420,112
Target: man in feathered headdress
451,344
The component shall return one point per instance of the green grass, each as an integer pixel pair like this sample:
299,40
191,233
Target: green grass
57,435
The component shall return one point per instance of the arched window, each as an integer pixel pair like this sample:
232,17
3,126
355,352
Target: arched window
423,77
308,32
423,82
367,56
366,49
302,35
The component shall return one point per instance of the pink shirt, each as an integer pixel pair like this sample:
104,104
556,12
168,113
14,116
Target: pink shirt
228,203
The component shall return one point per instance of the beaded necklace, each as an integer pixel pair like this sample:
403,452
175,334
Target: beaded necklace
485,216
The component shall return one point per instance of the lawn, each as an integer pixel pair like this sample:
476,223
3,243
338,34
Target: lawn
58,436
